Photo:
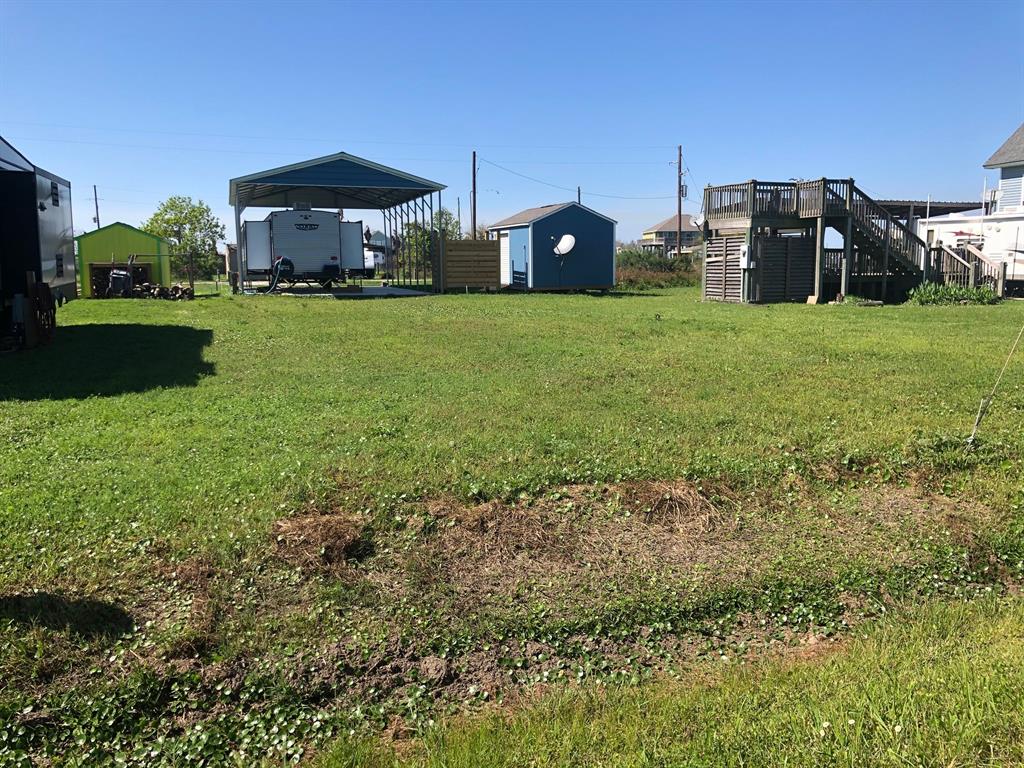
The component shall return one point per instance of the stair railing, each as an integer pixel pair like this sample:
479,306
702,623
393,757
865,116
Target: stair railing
902,243
988,271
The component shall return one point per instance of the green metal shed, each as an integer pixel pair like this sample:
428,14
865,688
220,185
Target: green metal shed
111,246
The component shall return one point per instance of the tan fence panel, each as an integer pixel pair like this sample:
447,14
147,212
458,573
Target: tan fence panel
471,264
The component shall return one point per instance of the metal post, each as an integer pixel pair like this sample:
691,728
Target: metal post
472,199
420,210
400,237
426,243
440,254
432,239
406,226
387,243
418,263
240,257
96,202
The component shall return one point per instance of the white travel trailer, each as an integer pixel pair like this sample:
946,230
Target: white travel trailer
997,228
320,247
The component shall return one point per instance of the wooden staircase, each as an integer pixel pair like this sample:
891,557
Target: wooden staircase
875,227
882,251
881,257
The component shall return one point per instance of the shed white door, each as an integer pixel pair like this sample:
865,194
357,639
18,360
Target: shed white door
506,260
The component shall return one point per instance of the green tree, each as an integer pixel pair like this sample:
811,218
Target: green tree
421,242
193,229
445,221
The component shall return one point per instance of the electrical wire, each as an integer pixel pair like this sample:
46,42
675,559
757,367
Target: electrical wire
570,189
335,140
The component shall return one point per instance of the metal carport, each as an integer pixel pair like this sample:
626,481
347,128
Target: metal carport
345,181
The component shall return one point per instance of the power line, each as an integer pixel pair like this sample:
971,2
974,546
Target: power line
123,145
570,189
335,140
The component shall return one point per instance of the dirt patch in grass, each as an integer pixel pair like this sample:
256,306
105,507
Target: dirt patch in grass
576,536
576,547
582,551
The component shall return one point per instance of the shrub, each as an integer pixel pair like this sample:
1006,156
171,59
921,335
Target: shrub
645,279
934,293
651,269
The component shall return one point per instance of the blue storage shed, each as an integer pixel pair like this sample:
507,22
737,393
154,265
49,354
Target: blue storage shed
565,246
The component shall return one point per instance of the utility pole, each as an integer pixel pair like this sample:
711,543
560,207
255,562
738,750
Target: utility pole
472,199
458,213
679,202
579,196
96,202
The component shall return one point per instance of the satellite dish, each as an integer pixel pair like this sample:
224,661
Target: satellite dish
565,245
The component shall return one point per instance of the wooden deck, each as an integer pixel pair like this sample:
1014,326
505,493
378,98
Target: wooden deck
880,256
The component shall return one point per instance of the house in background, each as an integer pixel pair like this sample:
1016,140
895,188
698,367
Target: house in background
997,226
662,236
111,246
565,246
1009,159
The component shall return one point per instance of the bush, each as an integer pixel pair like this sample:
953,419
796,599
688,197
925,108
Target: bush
645,279
934,293
651,269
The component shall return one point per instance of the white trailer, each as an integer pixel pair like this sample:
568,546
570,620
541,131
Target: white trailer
318,245
1000,236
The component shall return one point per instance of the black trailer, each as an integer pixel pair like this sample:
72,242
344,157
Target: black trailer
36,233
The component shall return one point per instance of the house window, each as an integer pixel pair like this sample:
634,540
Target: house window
54,194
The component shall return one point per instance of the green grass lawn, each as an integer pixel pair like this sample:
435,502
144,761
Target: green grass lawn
477,494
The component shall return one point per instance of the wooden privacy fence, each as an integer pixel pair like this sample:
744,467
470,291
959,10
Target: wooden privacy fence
469,264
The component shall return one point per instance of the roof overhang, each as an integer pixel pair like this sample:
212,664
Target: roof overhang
335,181
11,159
514,222
901,208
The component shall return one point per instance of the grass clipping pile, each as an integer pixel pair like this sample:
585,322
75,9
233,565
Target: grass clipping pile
313,541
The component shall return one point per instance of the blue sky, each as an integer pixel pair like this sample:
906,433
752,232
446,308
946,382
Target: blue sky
147,100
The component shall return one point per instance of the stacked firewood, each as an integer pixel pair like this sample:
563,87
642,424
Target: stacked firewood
176,292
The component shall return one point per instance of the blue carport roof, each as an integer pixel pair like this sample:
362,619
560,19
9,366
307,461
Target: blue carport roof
334,181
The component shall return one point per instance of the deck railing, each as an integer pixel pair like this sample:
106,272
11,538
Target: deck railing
783,199
811,199
730,201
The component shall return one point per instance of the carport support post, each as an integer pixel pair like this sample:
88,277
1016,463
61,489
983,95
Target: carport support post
242,276
441,242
